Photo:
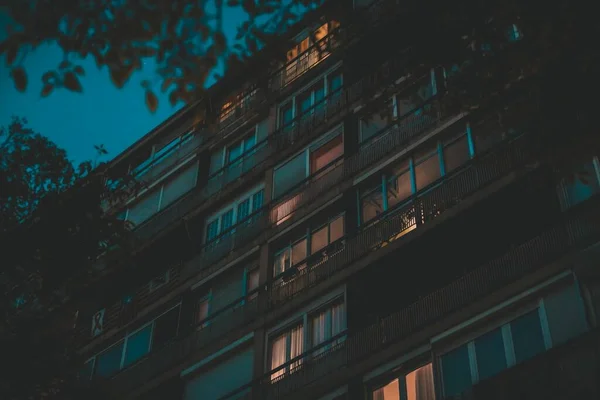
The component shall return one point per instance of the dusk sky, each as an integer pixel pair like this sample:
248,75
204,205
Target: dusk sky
102,114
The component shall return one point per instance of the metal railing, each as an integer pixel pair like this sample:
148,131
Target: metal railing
579,228
234,315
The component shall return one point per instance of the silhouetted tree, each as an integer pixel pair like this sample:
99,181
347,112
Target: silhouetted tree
52,229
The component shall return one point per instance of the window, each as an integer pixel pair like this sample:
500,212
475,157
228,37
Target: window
311,100
427,169
301,57
323,325
315,158
287,347
136,345
252,283
202,311
492,352
327,324
416,385
229,162
580,184
294,254
161,151
236,103
221,222
398,106
162,195
413,174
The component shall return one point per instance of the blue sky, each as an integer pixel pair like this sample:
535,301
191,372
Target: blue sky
102,114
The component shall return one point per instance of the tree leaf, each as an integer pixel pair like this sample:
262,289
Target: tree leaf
47,89
72,83
79,70
19,77
166,83
120,75
151,101
11,55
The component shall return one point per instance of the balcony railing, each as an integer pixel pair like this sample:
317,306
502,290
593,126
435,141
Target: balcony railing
306,60
579,228
301,130
424,206
569,371
235,315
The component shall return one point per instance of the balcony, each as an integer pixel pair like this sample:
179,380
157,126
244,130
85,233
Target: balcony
578,229
285,140
217,325
569,371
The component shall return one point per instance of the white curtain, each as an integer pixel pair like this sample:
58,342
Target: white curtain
338,319
278,355
419,384
296,345
391,391
321,328
282,262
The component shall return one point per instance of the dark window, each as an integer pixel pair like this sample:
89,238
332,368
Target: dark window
109,362
165,328
456,371
528,339
491,358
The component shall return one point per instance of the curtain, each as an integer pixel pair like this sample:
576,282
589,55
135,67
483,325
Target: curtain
391,391
321,329
296,346
338,319
282,262
419,384
278,350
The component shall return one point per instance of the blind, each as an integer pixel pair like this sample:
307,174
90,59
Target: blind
145,208
220,379
290,174
179,185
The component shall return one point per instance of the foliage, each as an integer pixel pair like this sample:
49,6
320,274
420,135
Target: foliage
187,38
52,228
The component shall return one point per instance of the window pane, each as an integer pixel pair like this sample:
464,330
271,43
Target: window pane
278,354
165,327
257,200
216,162
249,143
581,185
319,239
138,345
456,154
321,327
335,82
227,220
243,210
373,124
252,280
491,358
212,230
86,371
235,151
399,189
372,205
299,252
427,171
326,154
109,363
296,345
289,175
419,384
281,262
336,229
305,102
527,336
202,312
146,207
178,186
391,391
286,115
456,373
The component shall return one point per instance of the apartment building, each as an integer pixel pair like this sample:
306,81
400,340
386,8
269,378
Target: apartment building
345,232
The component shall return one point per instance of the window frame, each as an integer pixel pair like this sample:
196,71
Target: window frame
306,152
285,327
293,100
125,339
503,323
307,236
424,152
217,216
